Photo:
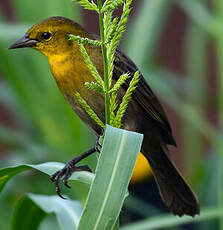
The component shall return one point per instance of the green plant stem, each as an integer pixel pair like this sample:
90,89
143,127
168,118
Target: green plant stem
105,61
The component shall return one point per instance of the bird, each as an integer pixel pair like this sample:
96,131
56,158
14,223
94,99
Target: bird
144,113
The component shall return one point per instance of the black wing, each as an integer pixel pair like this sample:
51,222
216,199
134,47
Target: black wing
144,96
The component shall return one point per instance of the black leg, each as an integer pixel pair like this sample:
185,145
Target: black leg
71,167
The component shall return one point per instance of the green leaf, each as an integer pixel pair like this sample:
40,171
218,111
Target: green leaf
114,169
27,215
35,207
68,212
170,221
48,168
7,173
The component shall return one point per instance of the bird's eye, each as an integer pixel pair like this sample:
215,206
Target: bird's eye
46,36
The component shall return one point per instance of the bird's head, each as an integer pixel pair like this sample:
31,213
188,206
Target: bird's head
51,36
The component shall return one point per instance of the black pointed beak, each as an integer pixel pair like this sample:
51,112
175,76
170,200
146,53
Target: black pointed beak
25,41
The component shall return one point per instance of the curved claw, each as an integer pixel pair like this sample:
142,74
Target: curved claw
59,192
56,180
66,177
69,168
66,173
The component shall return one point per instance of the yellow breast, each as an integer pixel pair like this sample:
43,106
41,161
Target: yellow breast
71,73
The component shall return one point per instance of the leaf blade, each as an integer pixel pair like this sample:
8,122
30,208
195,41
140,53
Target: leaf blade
67,211
35,207
48,168
112,172
34,215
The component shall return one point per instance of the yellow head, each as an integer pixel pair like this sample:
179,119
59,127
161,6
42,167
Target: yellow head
51,36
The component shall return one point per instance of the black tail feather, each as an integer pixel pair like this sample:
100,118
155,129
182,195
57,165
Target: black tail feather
175,192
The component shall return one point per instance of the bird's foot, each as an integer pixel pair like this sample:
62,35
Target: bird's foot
65,173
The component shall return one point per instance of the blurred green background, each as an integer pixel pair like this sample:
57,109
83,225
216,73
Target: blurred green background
178,46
